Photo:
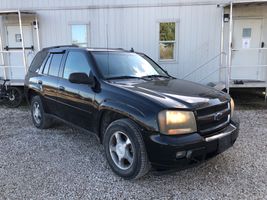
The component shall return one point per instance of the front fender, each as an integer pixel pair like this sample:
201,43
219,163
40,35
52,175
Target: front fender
145,120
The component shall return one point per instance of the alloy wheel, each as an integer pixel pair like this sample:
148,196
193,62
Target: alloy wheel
37,112
121,150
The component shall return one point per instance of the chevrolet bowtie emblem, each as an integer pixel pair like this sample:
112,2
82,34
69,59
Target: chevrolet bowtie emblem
218,116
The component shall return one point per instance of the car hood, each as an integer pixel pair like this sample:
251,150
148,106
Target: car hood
175,93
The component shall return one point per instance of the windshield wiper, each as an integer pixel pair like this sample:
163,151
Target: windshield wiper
123,77
136,77
156,76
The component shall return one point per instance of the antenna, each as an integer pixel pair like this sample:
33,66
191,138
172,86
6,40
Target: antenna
107,46
107,34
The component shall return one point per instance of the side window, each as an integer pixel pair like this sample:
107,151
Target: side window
76,62
37,61
55,64
47,64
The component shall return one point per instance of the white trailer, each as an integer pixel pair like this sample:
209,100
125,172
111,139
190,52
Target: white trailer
17,46
245,42
16,52
214,42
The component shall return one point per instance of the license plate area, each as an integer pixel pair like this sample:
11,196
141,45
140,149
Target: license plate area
224,143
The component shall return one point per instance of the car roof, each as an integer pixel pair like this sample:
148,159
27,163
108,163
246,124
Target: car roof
57,49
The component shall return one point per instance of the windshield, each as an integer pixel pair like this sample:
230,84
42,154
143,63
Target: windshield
127,65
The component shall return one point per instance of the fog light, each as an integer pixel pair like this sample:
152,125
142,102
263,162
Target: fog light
180,154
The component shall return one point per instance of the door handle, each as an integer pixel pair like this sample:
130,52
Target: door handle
40,82
61,88
262,45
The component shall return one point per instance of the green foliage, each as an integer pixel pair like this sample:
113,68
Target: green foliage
167,31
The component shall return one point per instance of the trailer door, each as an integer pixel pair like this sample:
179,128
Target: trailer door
246,50
15,59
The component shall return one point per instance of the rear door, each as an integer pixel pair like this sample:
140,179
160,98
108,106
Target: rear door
49,82
75,99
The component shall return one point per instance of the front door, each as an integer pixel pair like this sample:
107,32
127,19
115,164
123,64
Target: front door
246,57
15,59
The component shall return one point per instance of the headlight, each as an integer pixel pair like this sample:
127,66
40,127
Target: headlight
232,107
177,122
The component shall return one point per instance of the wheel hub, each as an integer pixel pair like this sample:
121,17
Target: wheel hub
121,150
37,113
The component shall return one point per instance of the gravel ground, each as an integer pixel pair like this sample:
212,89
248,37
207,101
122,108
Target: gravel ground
63,163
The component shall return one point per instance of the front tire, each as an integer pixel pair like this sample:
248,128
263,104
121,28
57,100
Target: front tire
39,117
125,149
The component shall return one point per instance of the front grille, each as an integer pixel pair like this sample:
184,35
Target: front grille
213,118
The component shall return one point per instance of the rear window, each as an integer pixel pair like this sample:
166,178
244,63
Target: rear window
55,64
47,64
52,64
37,61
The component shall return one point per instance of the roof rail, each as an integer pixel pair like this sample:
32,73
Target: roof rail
59,46
106,48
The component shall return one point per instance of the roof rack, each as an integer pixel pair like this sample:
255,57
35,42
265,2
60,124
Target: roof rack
57,48
60,46
105,48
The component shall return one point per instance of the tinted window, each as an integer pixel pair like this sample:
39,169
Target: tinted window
76,62
47,64
116,64
55,64
37,61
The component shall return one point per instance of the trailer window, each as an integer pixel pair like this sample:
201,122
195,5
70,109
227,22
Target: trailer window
79,35
167,40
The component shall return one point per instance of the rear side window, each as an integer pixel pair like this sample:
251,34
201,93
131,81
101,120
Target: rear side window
55,64
76,62
37,61
47,64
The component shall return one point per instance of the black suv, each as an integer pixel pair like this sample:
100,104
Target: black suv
143,116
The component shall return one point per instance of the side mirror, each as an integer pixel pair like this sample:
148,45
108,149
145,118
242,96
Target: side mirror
81,78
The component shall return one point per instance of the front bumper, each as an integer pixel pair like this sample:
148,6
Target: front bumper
181,151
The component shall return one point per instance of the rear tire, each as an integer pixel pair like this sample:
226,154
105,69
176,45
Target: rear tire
15,97
125,149
40,119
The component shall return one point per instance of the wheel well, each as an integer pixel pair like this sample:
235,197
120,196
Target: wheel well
107,117
30,95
